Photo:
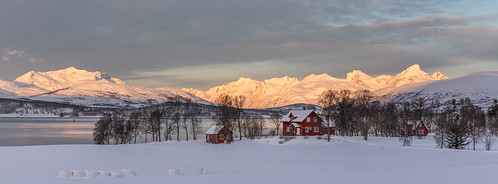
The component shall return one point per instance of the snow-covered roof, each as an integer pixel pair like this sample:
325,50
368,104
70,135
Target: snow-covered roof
215,129
415,123
299,115
294,124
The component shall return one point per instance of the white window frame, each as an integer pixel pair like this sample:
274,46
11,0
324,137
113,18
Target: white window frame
315,119
222,137
308,119
421,131
306,129
288,129
317,129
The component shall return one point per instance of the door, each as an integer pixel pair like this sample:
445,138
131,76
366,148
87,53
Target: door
298,131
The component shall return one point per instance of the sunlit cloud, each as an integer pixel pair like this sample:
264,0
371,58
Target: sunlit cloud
19,54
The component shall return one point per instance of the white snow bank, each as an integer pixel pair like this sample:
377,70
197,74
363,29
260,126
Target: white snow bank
299,160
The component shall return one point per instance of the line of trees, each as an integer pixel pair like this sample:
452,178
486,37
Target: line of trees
155,121
455,124
229,112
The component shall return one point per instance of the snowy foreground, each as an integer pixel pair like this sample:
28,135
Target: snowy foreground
345,160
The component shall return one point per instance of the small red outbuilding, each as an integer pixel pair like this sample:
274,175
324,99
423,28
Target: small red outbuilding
218,134
420,129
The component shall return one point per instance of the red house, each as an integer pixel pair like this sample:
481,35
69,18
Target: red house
420,129
218,134
303,123
415,128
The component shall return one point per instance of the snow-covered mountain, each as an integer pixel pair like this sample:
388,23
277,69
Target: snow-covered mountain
480,87
96,89
81,87
286,90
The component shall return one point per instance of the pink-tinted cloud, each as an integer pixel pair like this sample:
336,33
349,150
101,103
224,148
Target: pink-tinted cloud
19,54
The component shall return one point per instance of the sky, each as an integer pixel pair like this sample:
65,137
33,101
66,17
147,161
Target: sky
201,44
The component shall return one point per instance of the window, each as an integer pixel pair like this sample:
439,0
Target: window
222,137
306,129
308,119
316,129
288,129
315,119
421,131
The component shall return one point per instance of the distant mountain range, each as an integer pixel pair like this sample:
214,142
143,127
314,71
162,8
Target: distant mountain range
80,87
96,89
286,90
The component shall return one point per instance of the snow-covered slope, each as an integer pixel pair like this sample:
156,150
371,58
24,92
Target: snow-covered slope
55,80
480,87
81,87
286,90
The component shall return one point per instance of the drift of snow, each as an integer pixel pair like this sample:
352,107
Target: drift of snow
300,160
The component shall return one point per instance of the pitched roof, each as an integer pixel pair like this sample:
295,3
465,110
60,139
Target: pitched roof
415,123
294,124
215,129
299,115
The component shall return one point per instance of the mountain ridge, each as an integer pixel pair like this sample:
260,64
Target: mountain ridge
286,90
81,87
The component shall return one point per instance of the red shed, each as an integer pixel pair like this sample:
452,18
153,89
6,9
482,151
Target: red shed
420,129
415,128
302,122
218,134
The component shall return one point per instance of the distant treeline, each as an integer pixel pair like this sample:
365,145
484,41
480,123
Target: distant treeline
358,113
454,124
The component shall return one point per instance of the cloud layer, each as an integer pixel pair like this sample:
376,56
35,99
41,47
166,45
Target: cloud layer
10,54
184,43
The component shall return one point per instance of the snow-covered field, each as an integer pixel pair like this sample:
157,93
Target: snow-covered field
344,160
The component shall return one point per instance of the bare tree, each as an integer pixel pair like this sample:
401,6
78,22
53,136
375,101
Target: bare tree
406,135
389,120
275,119
172,118
363,101
225,113
328,101
145,125
473,117
252,127
489,140
187,106
238,104
491,126
135,119
118,127
194,113
102,131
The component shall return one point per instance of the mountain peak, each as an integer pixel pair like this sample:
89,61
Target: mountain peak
438,76
245,79
358,76
413,68
60,79
318,77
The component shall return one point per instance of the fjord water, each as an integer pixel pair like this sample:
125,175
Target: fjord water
29,131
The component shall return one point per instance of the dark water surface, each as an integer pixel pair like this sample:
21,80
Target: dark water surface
28,131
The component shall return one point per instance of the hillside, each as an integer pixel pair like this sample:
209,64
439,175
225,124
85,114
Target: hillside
480,87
